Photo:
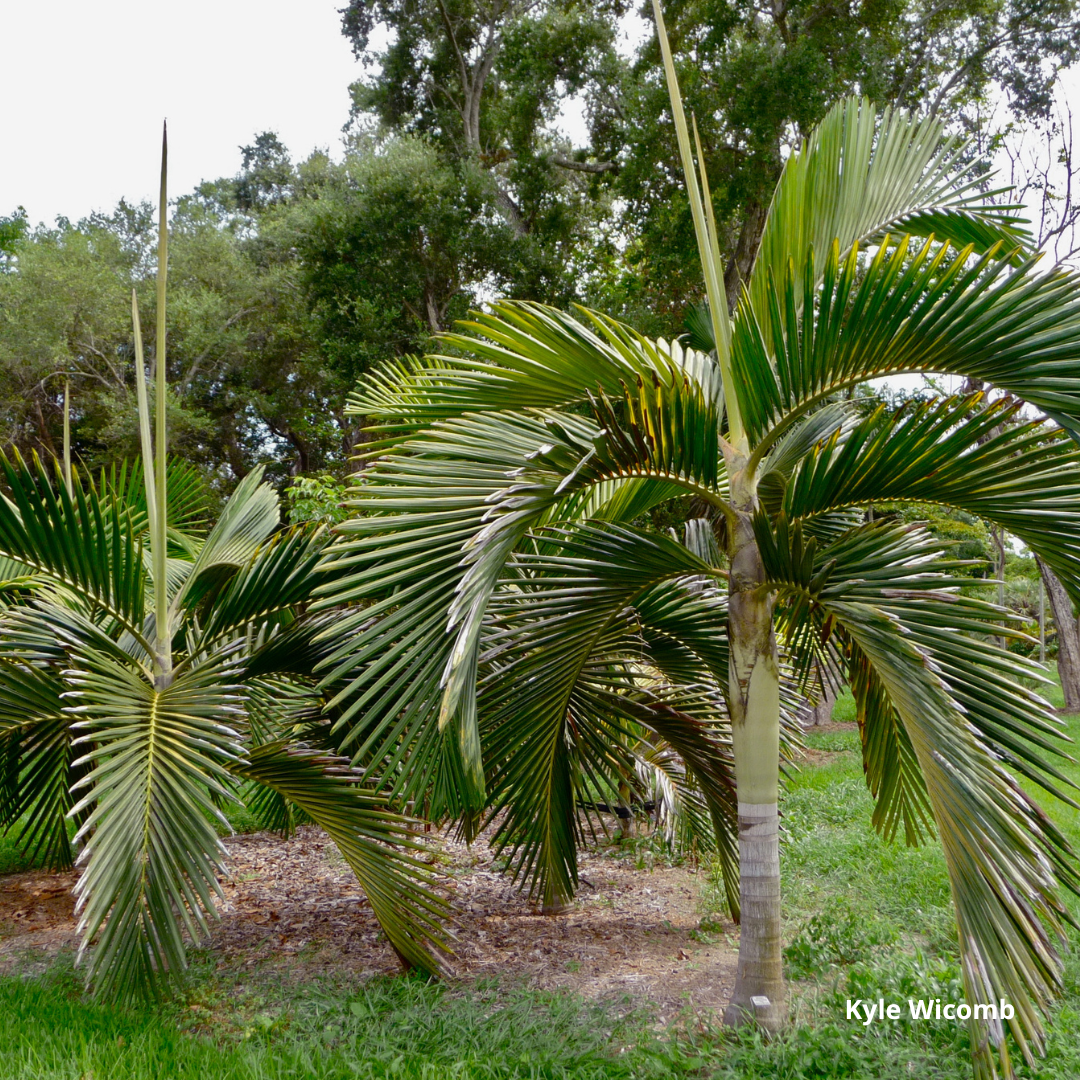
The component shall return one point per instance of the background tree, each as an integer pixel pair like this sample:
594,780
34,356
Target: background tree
759,77
394,245
12,230
485,83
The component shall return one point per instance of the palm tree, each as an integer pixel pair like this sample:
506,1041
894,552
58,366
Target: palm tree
517,625
151,672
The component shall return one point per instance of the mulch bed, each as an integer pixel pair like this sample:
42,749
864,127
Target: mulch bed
631,934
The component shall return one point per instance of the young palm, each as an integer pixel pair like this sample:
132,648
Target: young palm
147,675
504,580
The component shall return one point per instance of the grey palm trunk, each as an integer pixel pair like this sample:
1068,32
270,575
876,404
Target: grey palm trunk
754,704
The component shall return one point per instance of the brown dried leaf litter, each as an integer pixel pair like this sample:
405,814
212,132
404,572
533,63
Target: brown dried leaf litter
296,904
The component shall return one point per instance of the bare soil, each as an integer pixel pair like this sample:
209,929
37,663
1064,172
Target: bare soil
631,934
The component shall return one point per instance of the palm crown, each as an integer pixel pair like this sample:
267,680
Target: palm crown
517,630
145,770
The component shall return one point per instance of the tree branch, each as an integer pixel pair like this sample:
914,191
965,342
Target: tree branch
584,166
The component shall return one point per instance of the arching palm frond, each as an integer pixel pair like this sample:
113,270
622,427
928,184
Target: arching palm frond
939,707
374,841
861,174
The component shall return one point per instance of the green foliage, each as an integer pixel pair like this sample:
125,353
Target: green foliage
12,230
530,634
393,245
837,938
484,86
759,81
245,371
316,500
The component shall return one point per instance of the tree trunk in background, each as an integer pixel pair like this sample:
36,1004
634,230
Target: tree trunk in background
823,710
754,697
819,710
746,248
997,536
1068,635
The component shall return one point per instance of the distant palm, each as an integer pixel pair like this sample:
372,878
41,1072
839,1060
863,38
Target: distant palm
521,624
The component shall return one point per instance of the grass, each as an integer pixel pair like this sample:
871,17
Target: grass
401,1028
13,859
863,918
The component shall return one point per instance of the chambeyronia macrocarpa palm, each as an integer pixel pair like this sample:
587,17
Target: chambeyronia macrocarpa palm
148,674
515,621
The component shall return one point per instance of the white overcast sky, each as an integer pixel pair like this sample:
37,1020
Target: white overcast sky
86,86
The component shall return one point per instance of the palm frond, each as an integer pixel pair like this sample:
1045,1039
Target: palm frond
553,698
276,578
373,840
940,709
35,761
524,356
960,452
188,506
930,310
249,519
77,540
449,505
151,855
862,174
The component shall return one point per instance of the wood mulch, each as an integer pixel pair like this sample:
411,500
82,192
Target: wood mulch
631,934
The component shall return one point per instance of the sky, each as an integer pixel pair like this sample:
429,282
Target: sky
87,85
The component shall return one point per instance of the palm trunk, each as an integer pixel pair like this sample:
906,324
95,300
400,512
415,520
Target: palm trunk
754,702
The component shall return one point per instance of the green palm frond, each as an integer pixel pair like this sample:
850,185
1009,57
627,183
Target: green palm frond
279,575
620,499
188,510
939,708
374,841
477,485
899,571
961,452
296,649
681,813
1004,858
35,761
693,729
249,519
407,565
525,356
932,310
79,541
152,856
860,175
551,701
17,582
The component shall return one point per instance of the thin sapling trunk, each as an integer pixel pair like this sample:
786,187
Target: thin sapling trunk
754,703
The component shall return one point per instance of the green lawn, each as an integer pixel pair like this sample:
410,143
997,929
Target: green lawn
863,917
